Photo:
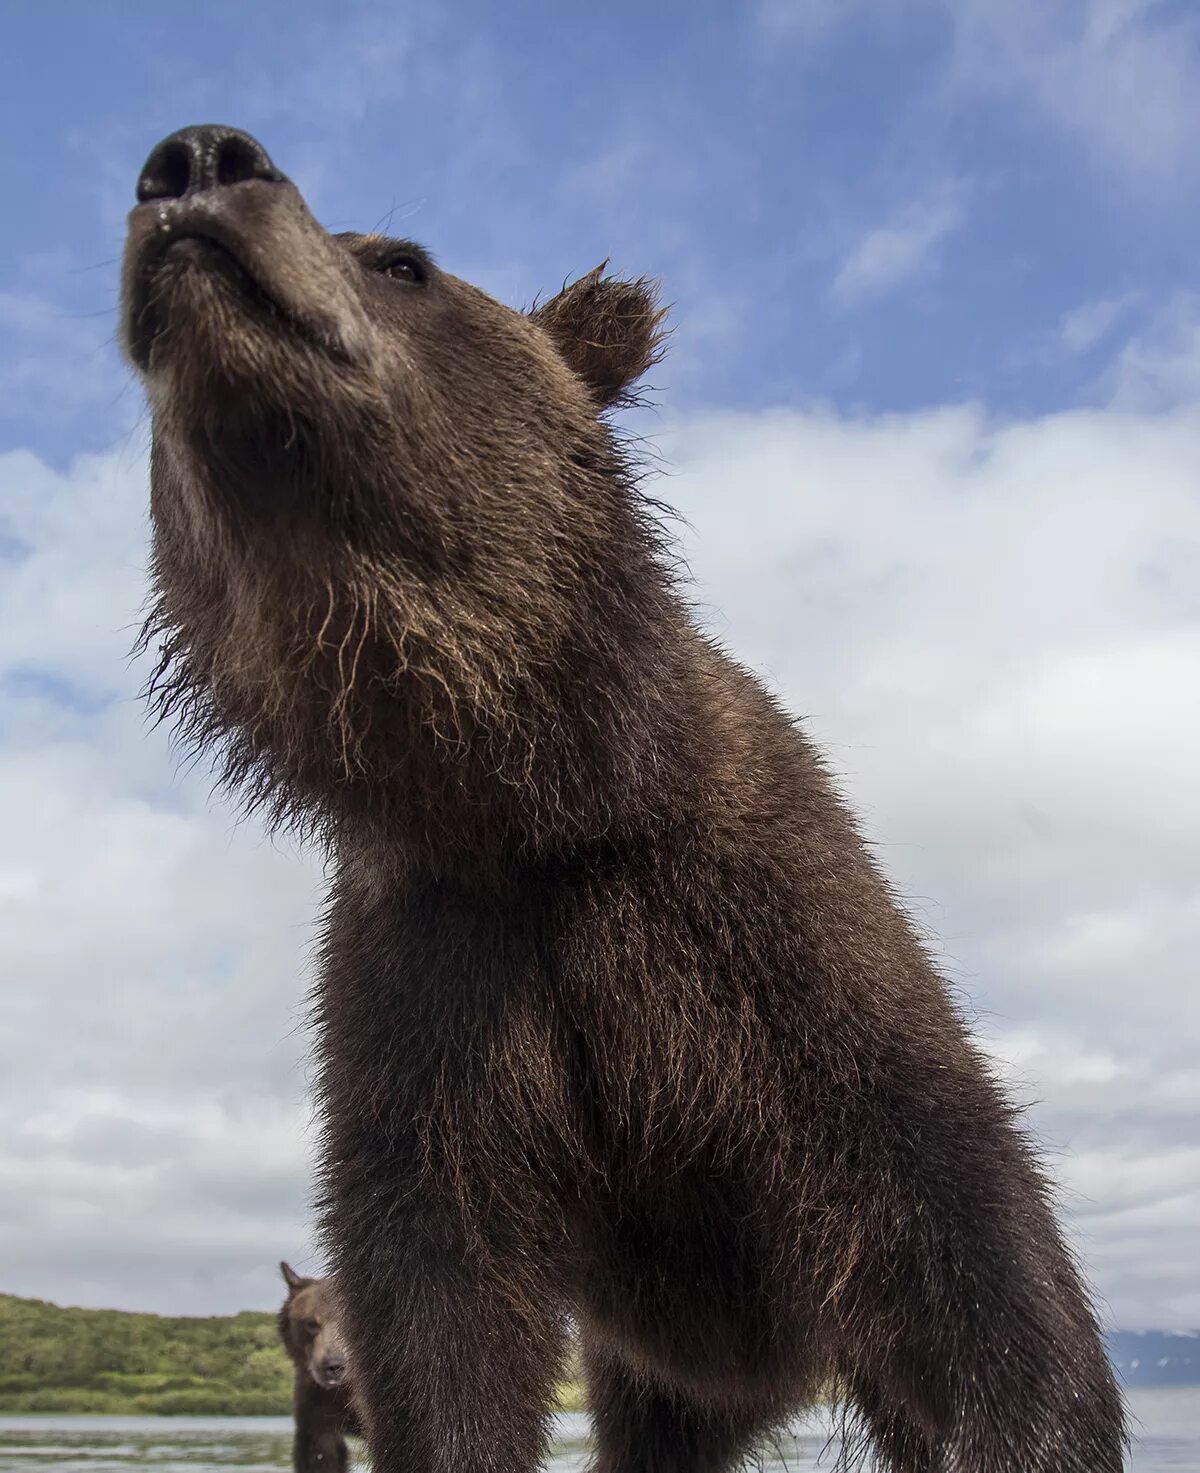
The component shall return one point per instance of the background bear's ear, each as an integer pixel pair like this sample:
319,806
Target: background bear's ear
609,331
291,1277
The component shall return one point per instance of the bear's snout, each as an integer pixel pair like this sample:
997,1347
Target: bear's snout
331,1369
219,234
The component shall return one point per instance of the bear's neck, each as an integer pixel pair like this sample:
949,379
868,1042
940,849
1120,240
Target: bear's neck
457,723
386,748
574,761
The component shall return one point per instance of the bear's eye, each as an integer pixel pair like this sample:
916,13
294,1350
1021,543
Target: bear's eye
312,1326
404,268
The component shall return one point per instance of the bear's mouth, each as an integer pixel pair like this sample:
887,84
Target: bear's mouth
187,258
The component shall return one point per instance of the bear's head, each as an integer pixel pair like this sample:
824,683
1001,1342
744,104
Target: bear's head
310,1328
402,571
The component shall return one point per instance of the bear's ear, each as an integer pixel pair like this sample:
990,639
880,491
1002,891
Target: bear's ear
609,331
292,1278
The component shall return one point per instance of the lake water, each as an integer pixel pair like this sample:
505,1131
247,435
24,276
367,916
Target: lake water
1168,1441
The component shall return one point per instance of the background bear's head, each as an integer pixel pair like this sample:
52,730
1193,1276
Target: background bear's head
311,1331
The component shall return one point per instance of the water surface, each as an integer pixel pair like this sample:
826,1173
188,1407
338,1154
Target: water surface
1168,1441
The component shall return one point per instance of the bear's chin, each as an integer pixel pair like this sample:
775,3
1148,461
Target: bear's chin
256,430
221,353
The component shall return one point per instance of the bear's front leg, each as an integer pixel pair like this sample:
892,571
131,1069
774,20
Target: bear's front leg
319,1447
456,1345
444,1174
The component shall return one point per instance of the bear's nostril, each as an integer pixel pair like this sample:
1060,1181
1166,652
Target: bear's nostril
238,158
167,174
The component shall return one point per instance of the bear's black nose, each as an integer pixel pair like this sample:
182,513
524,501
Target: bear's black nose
206,157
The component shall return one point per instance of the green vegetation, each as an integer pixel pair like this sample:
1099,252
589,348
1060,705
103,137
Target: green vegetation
107,1360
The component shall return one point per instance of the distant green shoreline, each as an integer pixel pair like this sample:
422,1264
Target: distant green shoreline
83,1402
111,1362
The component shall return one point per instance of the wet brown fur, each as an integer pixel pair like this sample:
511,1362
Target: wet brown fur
310,1328
618,1019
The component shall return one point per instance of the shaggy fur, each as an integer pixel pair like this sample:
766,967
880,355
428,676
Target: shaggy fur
618,1019
310,1328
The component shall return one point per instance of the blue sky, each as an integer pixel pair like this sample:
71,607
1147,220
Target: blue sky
931,415
882,206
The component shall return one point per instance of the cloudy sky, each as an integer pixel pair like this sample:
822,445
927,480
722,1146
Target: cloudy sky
932,421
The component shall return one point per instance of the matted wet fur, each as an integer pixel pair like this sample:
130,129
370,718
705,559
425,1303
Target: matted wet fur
322,1404
618,1018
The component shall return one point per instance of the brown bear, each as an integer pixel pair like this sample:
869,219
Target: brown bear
619,1022
310,1328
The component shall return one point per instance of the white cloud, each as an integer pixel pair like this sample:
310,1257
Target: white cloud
1119,77
806,20
1159,366
891,254
41,336
994,631
1086,326
153,1147
68,603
